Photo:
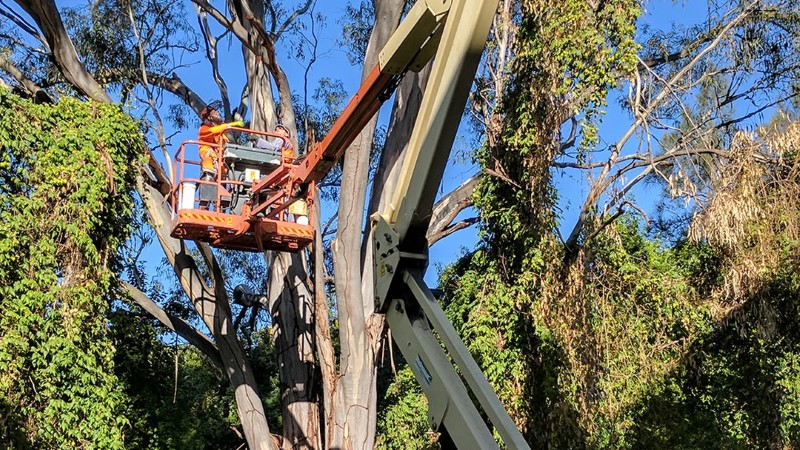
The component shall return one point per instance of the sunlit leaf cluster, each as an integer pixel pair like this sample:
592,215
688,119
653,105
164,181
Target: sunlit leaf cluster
65,178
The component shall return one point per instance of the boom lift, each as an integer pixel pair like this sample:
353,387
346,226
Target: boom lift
251,211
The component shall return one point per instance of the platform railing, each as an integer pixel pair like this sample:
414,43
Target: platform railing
274,206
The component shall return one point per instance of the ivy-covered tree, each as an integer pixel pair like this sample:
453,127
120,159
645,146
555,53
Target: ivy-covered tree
608,335
65,183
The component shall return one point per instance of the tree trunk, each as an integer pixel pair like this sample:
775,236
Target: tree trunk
292,308
214,309
259,95
355,399
291,298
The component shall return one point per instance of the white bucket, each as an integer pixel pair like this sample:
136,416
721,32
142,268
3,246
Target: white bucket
188,190
302,220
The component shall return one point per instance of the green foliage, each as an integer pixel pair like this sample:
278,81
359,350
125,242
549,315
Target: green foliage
568,55
105,40
177,399
402,423
736,387
356,28
65,177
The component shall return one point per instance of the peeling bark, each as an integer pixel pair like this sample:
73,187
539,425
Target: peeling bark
355,398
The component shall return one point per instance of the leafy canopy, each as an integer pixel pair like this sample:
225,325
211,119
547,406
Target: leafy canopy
66,174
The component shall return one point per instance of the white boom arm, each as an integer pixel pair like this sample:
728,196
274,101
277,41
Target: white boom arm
456,30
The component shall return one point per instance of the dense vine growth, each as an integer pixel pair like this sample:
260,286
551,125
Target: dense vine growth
623,340
65,178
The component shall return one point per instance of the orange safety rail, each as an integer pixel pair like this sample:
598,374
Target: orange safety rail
260,222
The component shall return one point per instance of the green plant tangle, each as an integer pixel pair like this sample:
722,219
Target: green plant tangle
567,56
622,341
66,175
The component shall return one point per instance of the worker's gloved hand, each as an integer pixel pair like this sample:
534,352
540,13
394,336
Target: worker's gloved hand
238,123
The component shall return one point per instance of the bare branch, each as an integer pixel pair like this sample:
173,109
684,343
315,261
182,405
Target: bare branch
448,208
211,54
176,324
436,237
19,43
159,128
684,70
19,21
314,41
604,181
300,11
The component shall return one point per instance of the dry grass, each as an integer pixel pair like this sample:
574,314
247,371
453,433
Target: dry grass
754,212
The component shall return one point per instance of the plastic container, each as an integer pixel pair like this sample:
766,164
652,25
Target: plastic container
188,189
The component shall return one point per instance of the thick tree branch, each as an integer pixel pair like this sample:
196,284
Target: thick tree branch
176,324
47,17
172,84
447,209
30,87
281,80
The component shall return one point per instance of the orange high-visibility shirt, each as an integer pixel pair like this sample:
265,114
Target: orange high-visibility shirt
214,135
287,152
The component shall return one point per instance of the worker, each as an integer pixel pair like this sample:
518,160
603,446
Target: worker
298,211
288,149
212,132
283,143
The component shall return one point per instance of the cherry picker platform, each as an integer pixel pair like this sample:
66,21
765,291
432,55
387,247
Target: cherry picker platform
247,205
255,201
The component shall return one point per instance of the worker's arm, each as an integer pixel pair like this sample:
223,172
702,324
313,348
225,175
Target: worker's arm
274,145
207,132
